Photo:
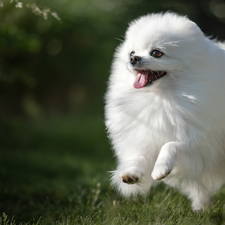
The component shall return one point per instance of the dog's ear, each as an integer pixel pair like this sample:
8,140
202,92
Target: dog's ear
194,29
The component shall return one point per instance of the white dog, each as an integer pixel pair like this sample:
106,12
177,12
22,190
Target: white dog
165,108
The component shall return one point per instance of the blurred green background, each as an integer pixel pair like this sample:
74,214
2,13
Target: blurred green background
55,60
58,67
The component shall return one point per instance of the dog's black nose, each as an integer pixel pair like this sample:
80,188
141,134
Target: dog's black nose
134,59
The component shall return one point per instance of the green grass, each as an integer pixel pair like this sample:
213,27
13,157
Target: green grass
54,171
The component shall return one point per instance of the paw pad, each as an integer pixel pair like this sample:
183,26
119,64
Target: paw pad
129,180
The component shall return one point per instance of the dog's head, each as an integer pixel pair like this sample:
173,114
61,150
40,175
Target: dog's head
158,45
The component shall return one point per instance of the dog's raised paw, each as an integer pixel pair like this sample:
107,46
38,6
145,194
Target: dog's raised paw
161,176
160,173
162,168
129,179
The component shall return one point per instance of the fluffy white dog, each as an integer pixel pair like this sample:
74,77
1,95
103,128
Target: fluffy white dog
165,108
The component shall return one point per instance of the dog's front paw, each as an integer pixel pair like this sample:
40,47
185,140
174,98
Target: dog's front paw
129,179
160,171
131,175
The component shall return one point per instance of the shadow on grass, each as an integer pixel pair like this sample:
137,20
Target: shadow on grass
45,162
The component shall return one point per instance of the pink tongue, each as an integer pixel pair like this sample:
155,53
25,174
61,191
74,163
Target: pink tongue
141,79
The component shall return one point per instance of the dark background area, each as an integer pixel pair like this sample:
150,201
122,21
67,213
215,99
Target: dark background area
55,59
52,67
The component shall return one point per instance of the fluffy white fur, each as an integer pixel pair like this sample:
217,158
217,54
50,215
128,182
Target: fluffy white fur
173,129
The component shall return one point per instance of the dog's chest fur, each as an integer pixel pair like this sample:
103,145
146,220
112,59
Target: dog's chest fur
141,121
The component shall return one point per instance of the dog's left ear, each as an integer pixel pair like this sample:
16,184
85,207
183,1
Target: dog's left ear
195,30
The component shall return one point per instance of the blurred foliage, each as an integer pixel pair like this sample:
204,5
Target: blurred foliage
55,55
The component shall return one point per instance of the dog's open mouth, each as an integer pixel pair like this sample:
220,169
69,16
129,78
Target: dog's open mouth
146,77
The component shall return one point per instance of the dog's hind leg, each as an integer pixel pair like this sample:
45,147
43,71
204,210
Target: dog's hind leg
198,194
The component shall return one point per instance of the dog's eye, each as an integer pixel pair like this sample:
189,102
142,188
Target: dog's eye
156,53
132,53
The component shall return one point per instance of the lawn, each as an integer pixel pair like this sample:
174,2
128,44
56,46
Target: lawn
54,170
